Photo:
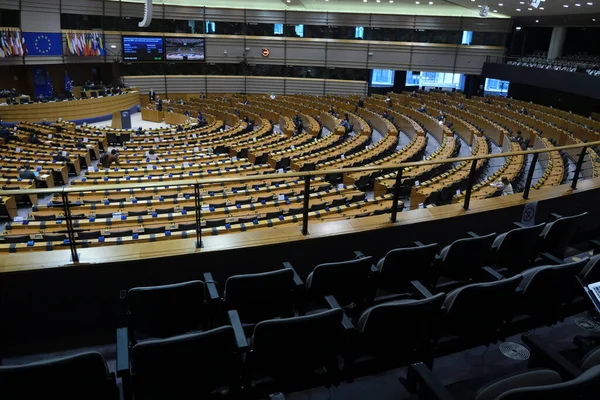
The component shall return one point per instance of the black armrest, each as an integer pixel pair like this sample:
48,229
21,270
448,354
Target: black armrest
547,257
556,216
213,292
421,289
519,225
297,281
122,352
333,304
495,275
546,356
472,234
240,336
426,384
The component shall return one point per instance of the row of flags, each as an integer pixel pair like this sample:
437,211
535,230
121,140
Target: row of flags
14,43
48,89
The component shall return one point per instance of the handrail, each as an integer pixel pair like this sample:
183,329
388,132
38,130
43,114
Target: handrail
315,173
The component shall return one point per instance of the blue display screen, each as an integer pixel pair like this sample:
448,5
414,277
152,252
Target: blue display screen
143,48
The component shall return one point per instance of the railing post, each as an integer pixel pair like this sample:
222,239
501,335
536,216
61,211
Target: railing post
578,167
305,206
530,176
470,184
198,216
396,195
70,233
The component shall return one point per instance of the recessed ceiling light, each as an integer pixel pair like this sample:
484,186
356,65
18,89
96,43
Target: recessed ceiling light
364,1
479,6
518,9
379,1
495,10
391,1
431,2
521,2
537,20
417,2
578,5
530,9
500,4
590,4
112,46
565,6
288,1
518,28
541,8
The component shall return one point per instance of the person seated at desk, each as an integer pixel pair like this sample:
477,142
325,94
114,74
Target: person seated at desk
423,109
140,131
187,113
524,111
346,123
179,128
80,144
443,101
518,138
488,101
361,103
151,155
8,136
503,186
27,173
107,159
33,139
461,106
386,115
59,157
151,95
159,104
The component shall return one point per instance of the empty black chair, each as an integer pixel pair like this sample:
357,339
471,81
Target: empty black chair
462,259
557,235
400,267
103,215
338,202
187,227
260,199
243,201
81,376
211,223
140,197
362,215
289,348
261,296
218,205
246,220
170,196
56,237
88,234
591,272
347,281
295,211
137,213
91,201
193,365
39,217
117,199
170,210
399,329
155,229
548,290
16,238
273,214
117,234
317,206
516,249
479,311
189,208
357,198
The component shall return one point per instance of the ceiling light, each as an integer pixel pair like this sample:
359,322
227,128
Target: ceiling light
590,4
537,20
541,8
518,9
500,4
289,1
364,1
417,2
565,6
112,46
530,9
391,1
379,1
521,2
577,5
495,10
479,6
431,2
518,28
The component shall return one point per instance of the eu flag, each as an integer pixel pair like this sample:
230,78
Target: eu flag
43,44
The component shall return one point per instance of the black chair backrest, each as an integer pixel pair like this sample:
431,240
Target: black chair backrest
155,229
557,235
585,386
168,310
243,201
400,327
57,237
81,376
210,223
16,238
39,217
261,296
517,248
165,210
464,256
346,280
400,266
547,289
480,309
591,271
274,214
185,366
296,344
89,234
187,227
117,234
106,215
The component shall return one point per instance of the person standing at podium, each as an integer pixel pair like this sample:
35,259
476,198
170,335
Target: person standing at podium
152,95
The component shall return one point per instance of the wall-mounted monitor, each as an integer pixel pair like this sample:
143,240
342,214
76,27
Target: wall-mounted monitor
184,49
143,48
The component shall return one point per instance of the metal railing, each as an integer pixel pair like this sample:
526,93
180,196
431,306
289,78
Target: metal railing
306,176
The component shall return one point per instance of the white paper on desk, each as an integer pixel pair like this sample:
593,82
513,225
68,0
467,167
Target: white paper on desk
417,183
64,153
421,205
85,140
340,186
116,215
458,192
45,176
194,135
18,150
196,149
234,158
280,171
18,219
156,140
342,156
50,136
254,139
281,197
186,165
205,207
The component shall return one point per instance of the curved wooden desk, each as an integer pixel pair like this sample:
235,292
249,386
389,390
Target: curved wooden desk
75,109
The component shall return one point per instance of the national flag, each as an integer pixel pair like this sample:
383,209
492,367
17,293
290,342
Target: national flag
49,87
